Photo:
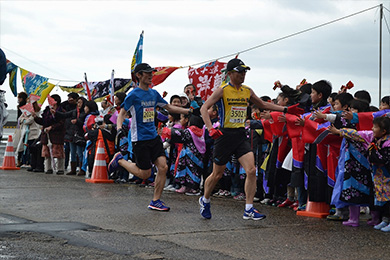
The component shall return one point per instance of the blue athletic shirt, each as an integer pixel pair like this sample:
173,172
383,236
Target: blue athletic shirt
142,106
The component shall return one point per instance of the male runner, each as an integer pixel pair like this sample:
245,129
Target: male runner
141,102
232,100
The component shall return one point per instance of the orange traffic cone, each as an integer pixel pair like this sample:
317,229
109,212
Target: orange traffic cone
9,156
315,210
99,172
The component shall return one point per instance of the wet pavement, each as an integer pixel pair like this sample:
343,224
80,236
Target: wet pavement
63,217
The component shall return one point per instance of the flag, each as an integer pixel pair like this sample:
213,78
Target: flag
12,70
207,77
79,88
3,67
34,98
51,101
27,109
161,74
112,90
36,84
137,57
100,89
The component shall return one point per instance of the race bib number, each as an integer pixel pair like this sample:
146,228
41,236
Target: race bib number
148,115
237,115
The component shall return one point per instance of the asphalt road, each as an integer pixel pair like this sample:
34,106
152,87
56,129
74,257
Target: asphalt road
63,217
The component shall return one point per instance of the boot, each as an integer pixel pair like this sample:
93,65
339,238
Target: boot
375,218
81,172
353,221
60,166
47,165
73,166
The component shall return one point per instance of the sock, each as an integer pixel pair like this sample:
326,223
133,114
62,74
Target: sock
338,212
205,200
248,206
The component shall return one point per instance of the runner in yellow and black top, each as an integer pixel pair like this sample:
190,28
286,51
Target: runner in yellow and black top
232,100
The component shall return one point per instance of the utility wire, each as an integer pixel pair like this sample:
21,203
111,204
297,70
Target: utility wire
386,9
387,25
41,66
285,37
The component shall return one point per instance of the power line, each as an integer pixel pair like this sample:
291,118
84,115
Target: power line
41,66
285,37
387,25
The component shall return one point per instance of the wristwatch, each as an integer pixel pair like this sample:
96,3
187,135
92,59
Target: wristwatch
285,110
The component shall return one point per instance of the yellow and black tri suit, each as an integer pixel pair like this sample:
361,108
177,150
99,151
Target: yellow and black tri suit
232,109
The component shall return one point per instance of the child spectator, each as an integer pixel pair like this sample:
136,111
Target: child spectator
190,164
100,132
385,103
377,142
363,95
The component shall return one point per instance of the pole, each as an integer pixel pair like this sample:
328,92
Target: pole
87,87
380,51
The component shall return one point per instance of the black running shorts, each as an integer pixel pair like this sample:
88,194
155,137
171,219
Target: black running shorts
233,141
146,152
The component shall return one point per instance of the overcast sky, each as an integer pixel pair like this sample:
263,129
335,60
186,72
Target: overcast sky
63,39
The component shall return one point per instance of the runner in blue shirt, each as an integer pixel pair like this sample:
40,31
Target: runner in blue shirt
141,102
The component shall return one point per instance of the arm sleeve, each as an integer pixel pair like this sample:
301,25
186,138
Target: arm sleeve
331,117
351,134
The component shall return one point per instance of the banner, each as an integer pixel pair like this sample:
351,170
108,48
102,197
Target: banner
161,74
36,84
12,70
100,89
27,109
207,78
137,57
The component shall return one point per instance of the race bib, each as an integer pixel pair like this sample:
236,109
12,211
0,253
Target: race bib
148,114
237,115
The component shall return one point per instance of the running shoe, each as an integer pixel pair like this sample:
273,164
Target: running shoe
381,225
114,164
158,205
253,214
386,228
204,208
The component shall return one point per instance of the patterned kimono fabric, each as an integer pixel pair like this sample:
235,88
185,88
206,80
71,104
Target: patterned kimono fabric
190,164
357,184
381,173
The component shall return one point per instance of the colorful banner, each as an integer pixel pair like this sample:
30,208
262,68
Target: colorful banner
207,78
100,89
35,84
137,57
161,74
12,70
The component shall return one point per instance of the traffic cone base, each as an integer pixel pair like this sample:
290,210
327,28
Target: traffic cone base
315,210
9,156
99,172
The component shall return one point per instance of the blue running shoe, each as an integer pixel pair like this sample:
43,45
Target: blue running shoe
158,205
204,208
114,165
253,214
